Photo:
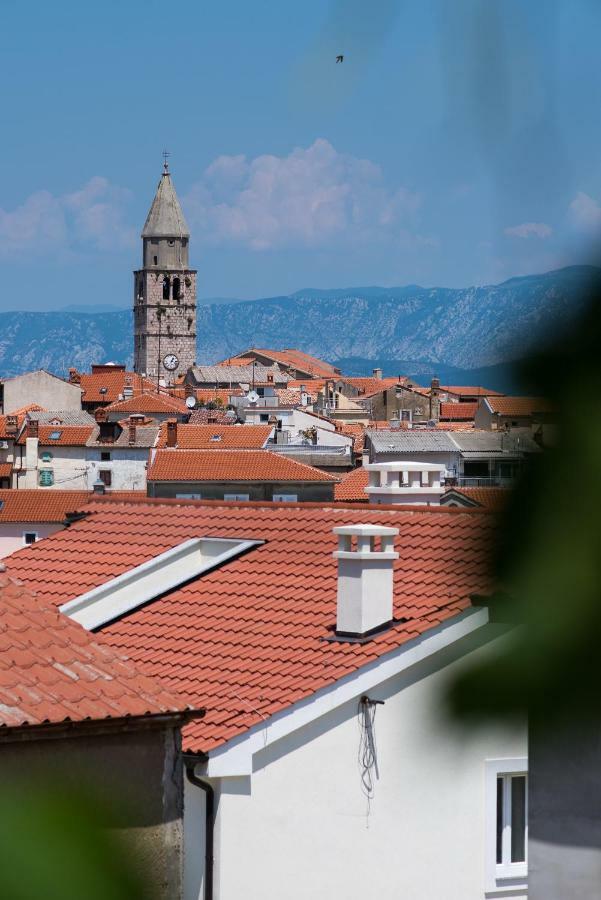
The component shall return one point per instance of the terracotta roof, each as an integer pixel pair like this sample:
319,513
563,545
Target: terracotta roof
230,465
53,671
352,487
148,403
493,498
519,406
354,430
369,387
39,505
458,411
67,435
3,433
296,359
202,437
455,426
469,390
6,469
246,639
292,396
114,380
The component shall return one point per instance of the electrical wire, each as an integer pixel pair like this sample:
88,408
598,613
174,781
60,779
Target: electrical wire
368,753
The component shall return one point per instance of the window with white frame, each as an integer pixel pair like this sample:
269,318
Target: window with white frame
506,824
238,497
285,498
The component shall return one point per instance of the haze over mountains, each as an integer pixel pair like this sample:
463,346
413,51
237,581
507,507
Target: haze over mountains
412,330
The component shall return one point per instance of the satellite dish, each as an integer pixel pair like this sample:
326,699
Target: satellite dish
252,397
190,402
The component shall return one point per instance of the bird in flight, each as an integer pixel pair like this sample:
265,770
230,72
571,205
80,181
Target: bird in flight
340,58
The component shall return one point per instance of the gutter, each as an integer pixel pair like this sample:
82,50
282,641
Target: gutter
209,825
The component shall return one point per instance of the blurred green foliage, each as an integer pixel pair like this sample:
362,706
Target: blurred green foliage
52,845
548,557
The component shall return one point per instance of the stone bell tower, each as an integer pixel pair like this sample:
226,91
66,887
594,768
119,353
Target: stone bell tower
165,291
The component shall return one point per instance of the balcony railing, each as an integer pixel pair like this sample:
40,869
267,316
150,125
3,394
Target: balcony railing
484,481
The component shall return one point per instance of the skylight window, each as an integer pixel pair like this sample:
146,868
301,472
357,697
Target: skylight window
215,437
54,435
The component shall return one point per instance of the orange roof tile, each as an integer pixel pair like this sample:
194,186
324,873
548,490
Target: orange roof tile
39,505
230,437
519,406
469,390
104,386
210,416
368,387
458,411
493,498
247,639
295,359
230,465
53,671
67,435
149,402
6,469
352,487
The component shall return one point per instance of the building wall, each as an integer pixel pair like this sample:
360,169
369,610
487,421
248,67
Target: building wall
67,463
128,467
451,461
41,388
301,825
137,776
316,491
11,534
564,812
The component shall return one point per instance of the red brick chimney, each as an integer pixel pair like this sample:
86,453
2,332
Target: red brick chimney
132,429
32,428
171,432
74,376
12,425
100,415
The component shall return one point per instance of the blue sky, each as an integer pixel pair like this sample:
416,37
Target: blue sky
458,143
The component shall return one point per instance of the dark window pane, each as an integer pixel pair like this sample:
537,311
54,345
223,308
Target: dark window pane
518,818
499,820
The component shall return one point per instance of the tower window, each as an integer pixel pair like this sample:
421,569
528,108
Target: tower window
155,260
176,289
140,289
171,243
166,287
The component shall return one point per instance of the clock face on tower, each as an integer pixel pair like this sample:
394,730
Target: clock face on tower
170,361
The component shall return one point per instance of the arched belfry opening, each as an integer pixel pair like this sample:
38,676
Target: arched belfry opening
166,287
176,289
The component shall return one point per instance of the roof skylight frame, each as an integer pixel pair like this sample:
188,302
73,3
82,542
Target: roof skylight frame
55,435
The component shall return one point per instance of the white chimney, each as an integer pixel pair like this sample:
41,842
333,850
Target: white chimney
365,578
405,482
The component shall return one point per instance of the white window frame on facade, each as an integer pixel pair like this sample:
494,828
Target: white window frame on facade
285,498
240,498
188,496
27,543
506,878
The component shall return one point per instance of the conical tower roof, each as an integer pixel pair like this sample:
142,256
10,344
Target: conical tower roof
165,218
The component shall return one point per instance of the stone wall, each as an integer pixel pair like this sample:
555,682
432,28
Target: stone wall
177,326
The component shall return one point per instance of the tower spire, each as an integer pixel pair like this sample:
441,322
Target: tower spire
166,156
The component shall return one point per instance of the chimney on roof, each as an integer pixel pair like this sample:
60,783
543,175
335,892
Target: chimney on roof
398,482
171,433
32,428
74,376
101,415
107,431
365,578
134,420
12,425
377,373
99,487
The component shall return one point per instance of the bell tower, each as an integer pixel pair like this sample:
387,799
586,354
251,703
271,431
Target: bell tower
165,291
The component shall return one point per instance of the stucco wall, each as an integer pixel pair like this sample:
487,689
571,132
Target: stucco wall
136,774
301,827
42,388
127,465
11,534
565,813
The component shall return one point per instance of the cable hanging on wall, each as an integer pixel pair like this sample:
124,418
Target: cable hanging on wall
368,752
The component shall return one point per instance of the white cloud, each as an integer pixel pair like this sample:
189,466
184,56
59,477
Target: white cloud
530,229
312,197
585,212
92,216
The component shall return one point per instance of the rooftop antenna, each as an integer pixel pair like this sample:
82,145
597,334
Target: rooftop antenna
166,156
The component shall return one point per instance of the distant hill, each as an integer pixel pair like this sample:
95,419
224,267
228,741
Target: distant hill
413,330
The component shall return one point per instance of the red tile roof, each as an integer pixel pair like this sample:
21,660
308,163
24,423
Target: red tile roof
6,469
69,435
246,639
230,465
352,487
519,406
493,498
296,359
210,416
200,437
458,411
469,390
114,380
49,505
53,671
369,387
148,403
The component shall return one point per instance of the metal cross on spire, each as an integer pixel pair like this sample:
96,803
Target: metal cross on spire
166,156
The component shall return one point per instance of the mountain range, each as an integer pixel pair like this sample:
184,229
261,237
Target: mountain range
413,330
